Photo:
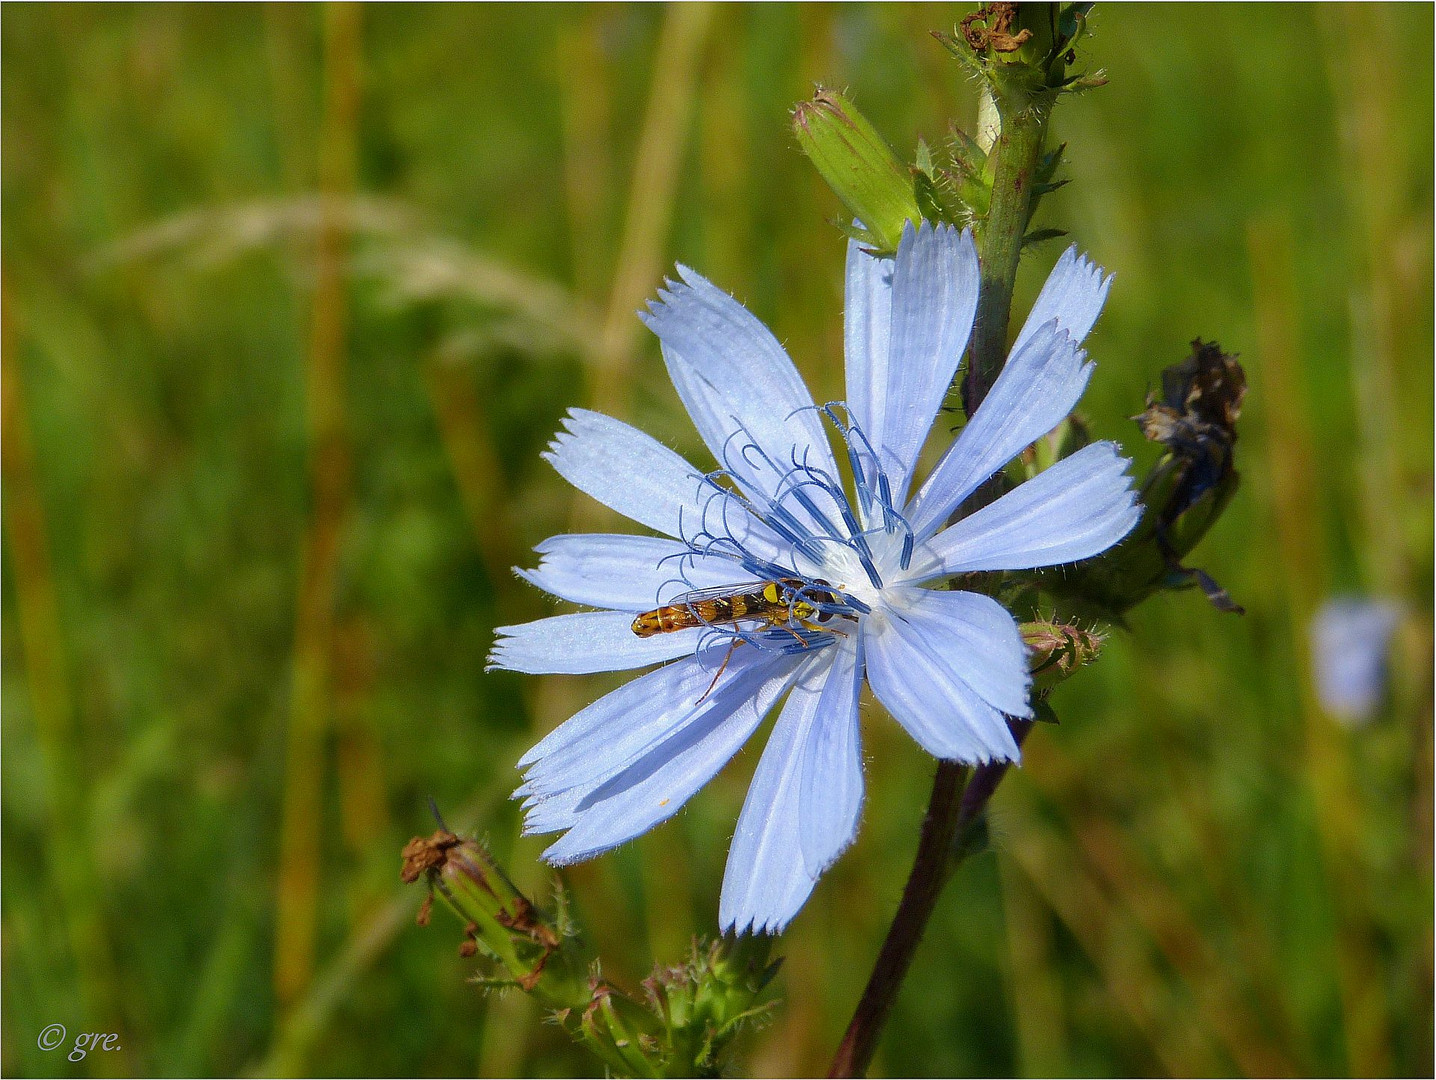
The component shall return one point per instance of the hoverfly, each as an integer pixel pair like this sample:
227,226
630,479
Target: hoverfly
774,605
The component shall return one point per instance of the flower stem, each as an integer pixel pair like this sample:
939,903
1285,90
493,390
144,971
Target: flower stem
951,810
929,872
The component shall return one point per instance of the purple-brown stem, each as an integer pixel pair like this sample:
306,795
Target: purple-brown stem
952,808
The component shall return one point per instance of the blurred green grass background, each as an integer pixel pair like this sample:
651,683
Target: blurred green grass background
268,458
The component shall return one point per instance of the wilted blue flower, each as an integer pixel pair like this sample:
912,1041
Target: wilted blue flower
847,571
1350,638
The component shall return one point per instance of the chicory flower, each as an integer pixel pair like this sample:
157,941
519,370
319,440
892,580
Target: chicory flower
770,577
1350,644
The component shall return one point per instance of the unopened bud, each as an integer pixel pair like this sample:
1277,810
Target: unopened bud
1022,51
1056,650
859,166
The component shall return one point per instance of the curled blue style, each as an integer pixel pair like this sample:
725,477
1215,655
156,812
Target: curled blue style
849,560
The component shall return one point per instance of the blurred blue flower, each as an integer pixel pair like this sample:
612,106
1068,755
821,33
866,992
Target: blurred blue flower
1350,639
847,570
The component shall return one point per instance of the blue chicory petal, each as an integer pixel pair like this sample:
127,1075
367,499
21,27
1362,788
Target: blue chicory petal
1078,508
584,643
977,639
628,723
917,681
934,298
626,573
629,471
830,798
656,786
769,874
1073,295
1039,386
745,396
867,320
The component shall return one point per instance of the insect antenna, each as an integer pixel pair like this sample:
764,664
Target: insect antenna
434,809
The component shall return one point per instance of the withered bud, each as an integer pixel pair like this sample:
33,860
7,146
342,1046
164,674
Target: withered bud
990,27
421,855
1187,490
1196,418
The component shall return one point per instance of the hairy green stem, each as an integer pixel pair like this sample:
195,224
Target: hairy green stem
1015,154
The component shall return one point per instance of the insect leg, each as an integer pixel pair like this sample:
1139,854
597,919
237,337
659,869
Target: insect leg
721,667
799,637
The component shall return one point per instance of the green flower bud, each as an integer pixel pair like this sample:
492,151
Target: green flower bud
860,168
1022,51
706,1001
1056,650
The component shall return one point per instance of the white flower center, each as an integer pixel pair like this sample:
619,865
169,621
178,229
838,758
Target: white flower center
842,566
